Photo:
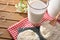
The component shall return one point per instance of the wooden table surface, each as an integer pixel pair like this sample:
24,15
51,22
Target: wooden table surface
8,16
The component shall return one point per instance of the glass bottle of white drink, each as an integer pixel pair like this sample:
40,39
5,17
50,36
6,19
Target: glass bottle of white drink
54,8
36,11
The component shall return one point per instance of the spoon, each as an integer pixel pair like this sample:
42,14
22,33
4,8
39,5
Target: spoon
53,22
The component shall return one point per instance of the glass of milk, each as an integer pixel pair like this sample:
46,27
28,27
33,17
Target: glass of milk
36,10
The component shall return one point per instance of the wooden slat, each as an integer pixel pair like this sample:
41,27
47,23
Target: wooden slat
5,34
13,16
7,8
12,2
4,39
6,23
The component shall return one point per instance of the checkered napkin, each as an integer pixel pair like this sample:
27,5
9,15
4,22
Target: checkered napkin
24,23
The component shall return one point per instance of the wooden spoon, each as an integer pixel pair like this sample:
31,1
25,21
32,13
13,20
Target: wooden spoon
53,22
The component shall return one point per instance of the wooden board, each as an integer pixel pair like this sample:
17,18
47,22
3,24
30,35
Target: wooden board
7,8
6,23
4,34
5,39
12,2
13,16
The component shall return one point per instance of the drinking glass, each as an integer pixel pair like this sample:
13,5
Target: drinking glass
36,10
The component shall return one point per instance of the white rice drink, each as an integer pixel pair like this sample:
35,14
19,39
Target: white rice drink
34,14
54,8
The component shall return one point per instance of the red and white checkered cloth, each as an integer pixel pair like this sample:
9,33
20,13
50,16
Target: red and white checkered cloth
24,23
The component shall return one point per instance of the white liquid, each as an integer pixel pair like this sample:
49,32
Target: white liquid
54,7
34,15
